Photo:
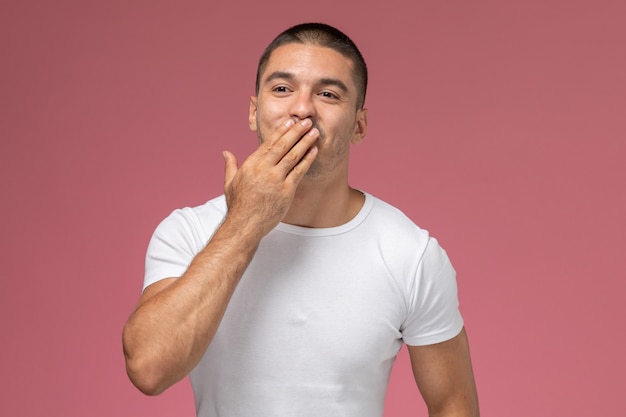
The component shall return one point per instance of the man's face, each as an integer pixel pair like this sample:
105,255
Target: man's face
310,81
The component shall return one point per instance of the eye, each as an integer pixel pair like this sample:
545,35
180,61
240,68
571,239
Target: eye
329,94
280,89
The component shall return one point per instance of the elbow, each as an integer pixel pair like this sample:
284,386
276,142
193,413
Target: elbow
144,370
145,380
143,375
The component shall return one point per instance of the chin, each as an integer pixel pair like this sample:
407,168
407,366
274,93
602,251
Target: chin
314,172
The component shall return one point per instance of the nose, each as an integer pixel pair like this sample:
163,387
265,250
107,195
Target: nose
302,105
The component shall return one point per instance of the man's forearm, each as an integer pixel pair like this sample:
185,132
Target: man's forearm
175,321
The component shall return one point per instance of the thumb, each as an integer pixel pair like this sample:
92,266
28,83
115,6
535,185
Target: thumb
230,168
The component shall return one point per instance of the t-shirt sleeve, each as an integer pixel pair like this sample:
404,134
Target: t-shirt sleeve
172,247
433,314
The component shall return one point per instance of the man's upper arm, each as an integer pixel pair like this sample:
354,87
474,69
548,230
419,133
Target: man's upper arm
444,376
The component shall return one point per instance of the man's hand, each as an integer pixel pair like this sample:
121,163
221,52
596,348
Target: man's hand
260,192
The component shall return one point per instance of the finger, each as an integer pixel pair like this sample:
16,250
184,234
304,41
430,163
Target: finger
285,137
298,151
230,167
299,170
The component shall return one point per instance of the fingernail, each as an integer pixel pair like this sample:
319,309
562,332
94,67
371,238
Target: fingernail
306,122
289,122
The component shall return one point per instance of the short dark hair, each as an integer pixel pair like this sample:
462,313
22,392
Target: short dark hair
323,35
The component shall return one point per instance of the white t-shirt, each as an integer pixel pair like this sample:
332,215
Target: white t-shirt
319,316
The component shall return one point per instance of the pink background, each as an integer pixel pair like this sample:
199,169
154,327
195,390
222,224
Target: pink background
500,126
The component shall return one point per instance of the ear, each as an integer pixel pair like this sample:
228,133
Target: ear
361,127
252,114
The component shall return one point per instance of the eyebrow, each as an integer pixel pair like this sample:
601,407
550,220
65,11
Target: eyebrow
327,81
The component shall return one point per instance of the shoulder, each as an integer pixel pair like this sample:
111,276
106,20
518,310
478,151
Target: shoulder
205,217
179,237
394,227
190,227
404,244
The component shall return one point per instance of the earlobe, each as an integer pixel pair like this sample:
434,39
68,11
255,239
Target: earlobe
252,114
361,127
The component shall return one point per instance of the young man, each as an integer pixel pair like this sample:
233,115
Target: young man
291,294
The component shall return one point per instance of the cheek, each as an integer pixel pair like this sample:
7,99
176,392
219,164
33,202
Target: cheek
267,123
269,119
344,127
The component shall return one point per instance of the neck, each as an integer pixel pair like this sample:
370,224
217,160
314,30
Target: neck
328,206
